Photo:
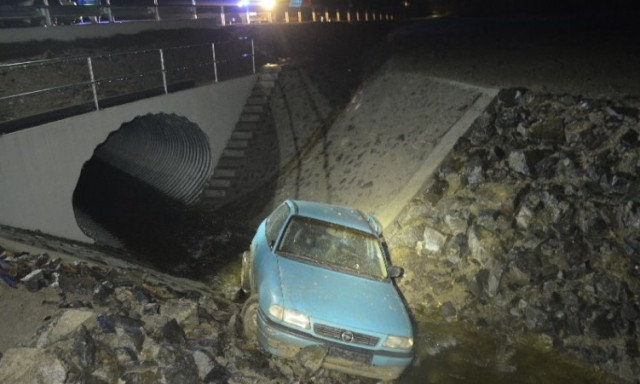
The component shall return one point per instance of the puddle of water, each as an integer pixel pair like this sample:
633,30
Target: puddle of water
451,353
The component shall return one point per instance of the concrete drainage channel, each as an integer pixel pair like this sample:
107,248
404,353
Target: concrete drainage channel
384,146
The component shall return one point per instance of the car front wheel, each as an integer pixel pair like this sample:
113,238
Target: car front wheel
249,316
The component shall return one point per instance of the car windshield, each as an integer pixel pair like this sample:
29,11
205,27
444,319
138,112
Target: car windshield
334,246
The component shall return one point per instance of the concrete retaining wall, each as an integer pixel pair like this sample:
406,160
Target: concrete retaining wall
40,167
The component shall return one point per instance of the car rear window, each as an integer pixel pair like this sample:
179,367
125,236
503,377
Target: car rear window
334,246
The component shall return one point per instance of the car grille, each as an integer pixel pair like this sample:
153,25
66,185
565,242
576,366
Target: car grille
339,334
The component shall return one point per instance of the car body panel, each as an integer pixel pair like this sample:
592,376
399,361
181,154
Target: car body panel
266,279
333,296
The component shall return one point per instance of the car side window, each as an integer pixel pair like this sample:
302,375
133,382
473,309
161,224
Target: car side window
275,222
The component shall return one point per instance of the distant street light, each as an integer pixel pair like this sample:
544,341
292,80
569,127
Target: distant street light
268,4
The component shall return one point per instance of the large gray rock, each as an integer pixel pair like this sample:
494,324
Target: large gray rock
407,237
31,365
69,322
518,163
457,222
550,130
433,240
483,245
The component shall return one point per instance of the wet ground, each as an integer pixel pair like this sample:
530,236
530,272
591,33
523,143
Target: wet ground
452,353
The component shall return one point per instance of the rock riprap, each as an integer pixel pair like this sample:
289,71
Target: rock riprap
122,325
532,226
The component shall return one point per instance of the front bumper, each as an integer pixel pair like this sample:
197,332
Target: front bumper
286,342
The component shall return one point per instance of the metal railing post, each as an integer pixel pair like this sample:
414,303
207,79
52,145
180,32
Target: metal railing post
109,14
215,63
222,17
164,72
253,56
93,84
157,13
194,9
286,17
313,15
338,15
299,16
46,13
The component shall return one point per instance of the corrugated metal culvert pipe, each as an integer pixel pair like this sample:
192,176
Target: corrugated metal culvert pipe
150,163
168,152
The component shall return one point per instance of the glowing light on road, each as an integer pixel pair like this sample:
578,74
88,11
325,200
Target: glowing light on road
243,3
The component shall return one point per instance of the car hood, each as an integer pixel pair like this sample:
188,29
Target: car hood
343,300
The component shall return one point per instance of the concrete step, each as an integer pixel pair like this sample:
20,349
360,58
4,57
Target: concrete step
242,134
235,153
258,91
230,162
237,144
267,84
259,108
253,100
250,117
215,193
268,76
221,183
245,126
267,91
224,173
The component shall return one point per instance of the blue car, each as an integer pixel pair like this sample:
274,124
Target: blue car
320,275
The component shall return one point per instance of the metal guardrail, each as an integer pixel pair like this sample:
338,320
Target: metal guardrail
48,14
35,92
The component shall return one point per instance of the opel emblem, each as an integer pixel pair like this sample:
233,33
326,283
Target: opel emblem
346,336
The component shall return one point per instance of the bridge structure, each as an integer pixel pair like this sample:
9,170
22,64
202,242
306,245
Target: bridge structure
182,135
165,117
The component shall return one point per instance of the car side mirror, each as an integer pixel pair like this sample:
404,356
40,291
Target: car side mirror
395,272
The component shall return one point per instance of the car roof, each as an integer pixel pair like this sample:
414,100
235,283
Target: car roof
341,215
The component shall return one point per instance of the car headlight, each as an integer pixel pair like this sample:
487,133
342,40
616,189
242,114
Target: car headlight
290,316
397,342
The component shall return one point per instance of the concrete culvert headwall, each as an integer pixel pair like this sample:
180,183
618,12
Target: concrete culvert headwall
167,152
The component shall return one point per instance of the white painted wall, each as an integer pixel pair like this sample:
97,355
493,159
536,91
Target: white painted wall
40,166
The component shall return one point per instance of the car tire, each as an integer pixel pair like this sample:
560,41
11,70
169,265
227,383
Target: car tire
245,274
249,317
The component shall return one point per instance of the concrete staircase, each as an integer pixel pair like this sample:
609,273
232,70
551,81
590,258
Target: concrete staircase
246,159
